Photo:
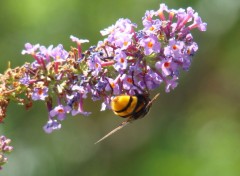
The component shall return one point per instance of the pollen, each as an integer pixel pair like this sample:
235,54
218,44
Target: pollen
96,65
58,57
15,84
125,43
150,44
40,91
60,110
129,80
112,84
166,64
174,47
151,28
122,60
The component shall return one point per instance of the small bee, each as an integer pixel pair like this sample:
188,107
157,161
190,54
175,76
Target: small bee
130,107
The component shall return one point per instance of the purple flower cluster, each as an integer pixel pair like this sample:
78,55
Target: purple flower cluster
4,148
125,62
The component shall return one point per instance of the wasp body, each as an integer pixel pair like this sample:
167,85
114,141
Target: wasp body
131,107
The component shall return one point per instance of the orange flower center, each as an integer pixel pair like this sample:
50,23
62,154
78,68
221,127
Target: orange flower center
58,57
125,43
166,64
61,111
129,80
15,84
122,60
150,44
40,91
174,47
151,28
112,84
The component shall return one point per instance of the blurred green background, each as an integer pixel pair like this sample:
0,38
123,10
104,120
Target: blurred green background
192,131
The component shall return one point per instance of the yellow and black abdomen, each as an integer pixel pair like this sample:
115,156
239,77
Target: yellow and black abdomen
130,106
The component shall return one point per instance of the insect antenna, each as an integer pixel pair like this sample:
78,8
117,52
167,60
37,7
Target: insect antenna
123,124
153,99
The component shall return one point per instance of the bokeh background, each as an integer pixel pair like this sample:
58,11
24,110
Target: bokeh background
192,131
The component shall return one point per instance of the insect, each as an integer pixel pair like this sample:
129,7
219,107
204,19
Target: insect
130,107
